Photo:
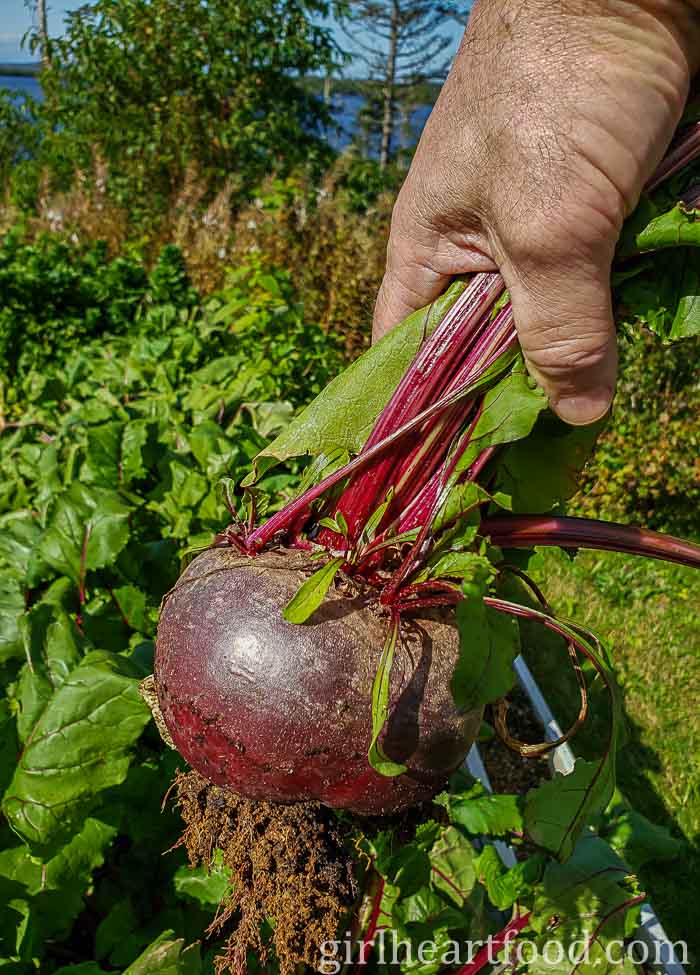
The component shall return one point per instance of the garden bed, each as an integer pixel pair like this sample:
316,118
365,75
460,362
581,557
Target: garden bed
500,770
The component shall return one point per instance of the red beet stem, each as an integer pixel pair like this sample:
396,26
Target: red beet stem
487,955
685,150
527,531
280,521
442,355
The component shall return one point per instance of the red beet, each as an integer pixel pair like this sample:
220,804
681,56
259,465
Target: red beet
283,712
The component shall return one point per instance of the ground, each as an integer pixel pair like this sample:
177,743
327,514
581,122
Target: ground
648,612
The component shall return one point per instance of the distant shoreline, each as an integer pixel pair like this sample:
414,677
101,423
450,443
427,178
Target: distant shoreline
10,70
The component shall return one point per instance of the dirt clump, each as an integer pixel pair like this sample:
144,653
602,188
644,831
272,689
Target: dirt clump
288,864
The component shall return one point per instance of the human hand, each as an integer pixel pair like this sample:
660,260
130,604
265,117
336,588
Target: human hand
554,116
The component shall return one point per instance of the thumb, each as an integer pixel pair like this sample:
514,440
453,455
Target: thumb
564,319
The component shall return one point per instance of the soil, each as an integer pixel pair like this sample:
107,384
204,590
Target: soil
508,770
288,864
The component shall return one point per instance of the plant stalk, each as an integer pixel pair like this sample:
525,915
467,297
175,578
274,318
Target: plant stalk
527,531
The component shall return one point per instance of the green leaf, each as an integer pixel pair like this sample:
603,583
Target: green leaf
134,439
270,419
634,838
210,445
87,529
52,647
19,533
409,869
482,815
321,466
78,747
650,230
509,413
586,899
103,454
206,887
9,745
460,507
542,472
117,925
54,890
489,643
380,707
375,519
664,296
11,609
452,864
435,952
311,594
505,887
167,955
132,605
558,810
187,489
342,416
448,565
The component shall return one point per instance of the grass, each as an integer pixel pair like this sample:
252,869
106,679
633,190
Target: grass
648,614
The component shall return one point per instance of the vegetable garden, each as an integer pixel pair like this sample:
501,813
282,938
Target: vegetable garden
307,666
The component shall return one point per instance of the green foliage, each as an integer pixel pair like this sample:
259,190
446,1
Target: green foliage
306,601
361,181
489,641
436,887
108,459
56,296
645,469
19,135
153,88
343,415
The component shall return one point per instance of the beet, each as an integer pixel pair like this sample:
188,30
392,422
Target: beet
281,712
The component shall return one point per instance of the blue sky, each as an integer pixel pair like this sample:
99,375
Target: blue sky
15,19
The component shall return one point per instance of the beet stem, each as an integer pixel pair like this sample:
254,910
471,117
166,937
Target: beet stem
527,531
487,954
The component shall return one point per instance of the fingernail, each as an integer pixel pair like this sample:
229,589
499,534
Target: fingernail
584,408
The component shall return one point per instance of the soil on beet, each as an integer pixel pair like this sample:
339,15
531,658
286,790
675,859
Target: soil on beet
287,863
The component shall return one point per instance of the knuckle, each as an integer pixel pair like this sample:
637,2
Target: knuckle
583,352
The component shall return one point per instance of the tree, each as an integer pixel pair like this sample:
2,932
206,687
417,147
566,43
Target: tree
39,36
402,44
156,87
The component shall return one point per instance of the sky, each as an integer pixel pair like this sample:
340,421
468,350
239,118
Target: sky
16,19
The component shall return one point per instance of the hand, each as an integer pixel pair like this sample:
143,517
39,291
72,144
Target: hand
555,114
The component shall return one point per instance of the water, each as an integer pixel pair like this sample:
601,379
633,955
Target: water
344,109
27,86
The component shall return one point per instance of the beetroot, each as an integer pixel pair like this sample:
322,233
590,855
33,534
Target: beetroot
340,678
282,712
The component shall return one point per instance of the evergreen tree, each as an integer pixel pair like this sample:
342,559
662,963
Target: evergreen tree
403,44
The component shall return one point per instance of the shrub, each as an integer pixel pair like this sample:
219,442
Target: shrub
154,86
56,296
646,467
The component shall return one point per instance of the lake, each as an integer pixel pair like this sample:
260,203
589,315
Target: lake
29,86
344,108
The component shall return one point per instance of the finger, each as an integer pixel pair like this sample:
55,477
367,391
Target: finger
404,289
418,271
565,325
